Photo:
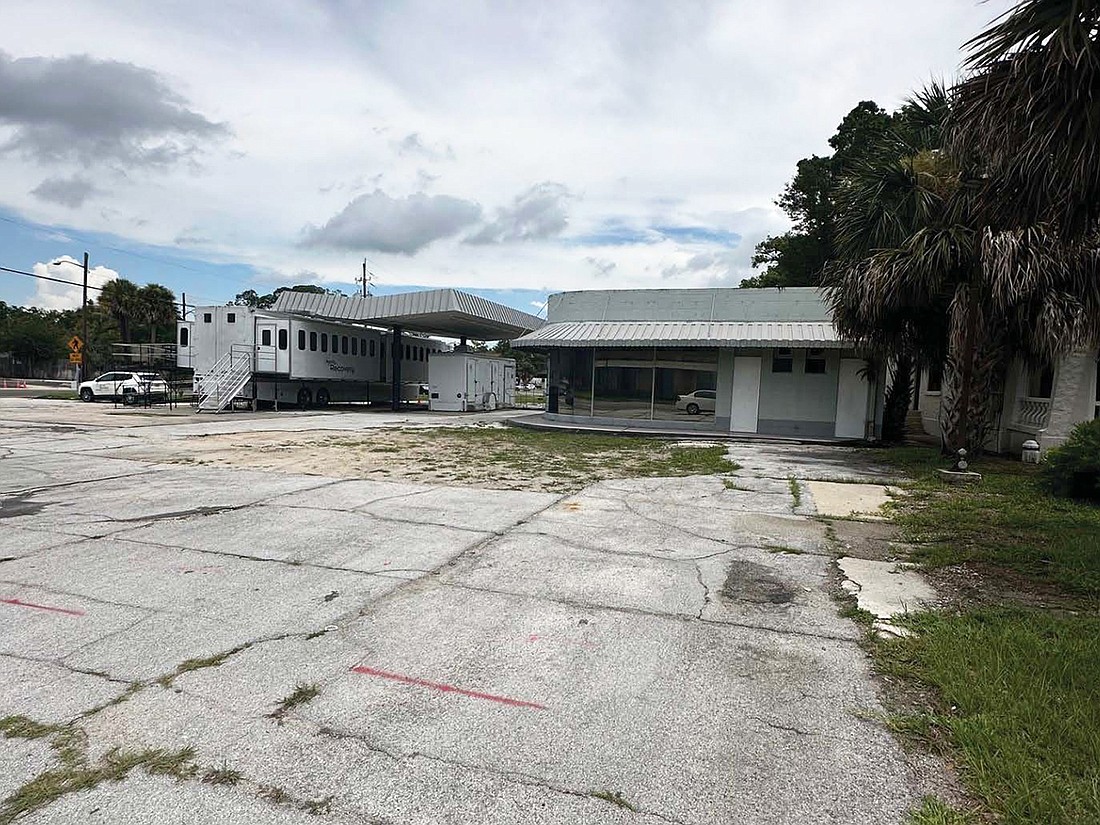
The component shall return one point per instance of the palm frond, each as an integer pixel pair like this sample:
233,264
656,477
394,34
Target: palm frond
1030,110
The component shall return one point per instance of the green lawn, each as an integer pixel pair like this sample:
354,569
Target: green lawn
1016,689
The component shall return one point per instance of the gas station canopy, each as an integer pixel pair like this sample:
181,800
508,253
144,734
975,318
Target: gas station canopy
445,312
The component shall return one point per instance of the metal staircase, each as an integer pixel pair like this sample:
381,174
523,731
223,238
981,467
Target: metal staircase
225,380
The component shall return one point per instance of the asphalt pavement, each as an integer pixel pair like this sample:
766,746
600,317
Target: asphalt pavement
644,651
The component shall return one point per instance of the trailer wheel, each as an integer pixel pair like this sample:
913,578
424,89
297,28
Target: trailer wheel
322,397
305,398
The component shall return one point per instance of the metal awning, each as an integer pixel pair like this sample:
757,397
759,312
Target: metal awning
814,334
445,312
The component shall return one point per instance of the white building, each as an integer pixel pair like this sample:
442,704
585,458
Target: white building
765,361
1043,404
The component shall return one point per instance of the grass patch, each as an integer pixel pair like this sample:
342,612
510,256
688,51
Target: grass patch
59,395
1007,521
1019,697
299,696
615,798
571,459
934,812
1012,691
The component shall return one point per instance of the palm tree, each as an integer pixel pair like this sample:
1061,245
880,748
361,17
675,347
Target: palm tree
1027,111
921,271
119,299
157,306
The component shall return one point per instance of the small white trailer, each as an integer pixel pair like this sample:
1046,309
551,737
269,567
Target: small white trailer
467,381
239,352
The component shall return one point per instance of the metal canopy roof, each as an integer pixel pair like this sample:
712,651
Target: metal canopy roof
440,311
684,334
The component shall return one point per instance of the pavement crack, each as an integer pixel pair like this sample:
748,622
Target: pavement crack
706,590
517,777
787,728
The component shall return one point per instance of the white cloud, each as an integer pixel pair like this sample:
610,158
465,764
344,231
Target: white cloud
652,114
53,295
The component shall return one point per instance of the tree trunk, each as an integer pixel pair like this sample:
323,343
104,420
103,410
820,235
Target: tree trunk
974,363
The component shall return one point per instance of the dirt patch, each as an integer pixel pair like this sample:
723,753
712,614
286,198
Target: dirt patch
754,583
973,585
872,540
501,458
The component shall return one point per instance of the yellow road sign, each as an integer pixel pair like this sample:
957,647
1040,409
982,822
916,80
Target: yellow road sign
76,358
75,344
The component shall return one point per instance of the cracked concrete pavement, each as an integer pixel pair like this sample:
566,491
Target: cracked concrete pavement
481,655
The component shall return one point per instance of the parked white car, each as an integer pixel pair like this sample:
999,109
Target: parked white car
129,387
696,402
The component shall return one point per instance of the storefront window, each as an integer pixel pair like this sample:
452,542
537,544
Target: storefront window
624,382
685,381
570,388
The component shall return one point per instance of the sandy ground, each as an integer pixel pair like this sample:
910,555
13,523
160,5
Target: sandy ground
425,456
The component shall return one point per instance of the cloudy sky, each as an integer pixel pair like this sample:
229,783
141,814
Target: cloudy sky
512,148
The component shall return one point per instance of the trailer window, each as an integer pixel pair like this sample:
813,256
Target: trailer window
324,342
231,317
265,338
185,335
283,336
313,342
408,357
206,318
354,346
343,345
372,349
301,339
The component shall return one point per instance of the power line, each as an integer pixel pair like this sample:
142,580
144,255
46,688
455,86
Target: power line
84,237
62,281
47,278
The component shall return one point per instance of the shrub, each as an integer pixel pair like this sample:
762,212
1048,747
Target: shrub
1073,470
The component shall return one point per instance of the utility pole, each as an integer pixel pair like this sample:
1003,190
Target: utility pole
84,319
365,280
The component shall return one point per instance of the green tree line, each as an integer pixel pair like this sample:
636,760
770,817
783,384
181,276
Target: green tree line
963,229
124,312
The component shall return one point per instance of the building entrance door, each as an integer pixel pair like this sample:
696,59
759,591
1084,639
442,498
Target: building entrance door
744,414
851,399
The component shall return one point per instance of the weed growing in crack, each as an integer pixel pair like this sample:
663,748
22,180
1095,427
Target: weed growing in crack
317,807
273,793
189,665
23,727
118,700
302,693
796,492
224,775
615,798
77,774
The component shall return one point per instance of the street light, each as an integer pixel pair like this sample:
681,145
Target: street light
83,314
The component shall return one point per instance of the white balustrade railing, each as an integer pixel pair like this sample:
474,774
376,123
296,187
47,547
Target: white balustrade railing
1033,413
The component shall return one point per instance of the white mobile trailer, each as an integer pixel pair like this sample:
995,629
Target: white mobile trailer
296,359
466,381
